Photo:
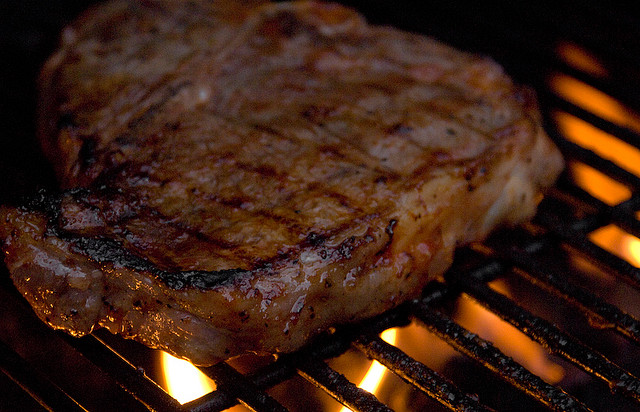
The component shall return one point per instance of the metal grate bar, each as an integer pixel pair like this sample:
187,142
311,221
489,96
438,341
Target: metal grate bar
624,215
608,86
620,132
598,311
238,386
339,387
418,375
285,367
41,389
597,216
550,337
223,398
132,379
591,251
493,359
607,167
598,213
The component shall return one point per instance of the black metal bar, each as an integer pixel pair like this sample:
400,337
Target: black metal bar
527,266
599,213
266,377
40,388
605,166
565,192
128,376
624,215
486,354
592,306
590,251
418,375
623,133
551,337
339,387
324,347
282,369
241,388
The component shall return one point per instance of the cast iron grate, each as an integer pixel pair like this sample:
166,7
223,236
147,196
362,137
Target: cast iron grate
541,255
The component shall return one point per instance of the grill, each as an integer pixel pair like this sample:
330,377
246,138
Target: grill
568,280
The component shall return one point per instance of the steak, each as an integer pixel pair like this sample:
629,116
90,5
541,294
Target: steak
240,176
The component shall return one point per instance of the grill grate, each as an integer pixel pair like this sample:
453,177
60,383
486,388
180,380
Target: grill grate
557,255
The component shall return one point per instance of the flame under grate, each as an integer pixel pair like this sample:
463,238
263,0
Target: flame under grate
560,263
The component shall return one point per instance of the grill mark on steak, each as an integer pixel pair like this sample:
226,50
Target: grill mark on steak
50,205
159,92
296,226
151,213
90,152
131,172
139,211
110,251
440,108
331,166
351,156
152,111
343,146
314,189
43,202
107,251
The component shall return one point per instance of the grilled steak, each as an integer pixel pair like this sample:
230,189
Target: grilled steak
239,176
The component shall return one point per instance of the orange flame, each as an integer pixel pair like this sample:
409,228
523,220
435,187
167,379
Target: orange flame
611,237
581,59
508,338
183,381
376,372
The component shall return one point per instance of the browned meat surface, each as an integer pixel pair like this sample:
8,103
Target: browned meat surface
241,176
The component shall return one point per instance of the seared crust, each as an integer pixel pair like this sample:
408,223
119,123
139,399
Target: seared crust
255,173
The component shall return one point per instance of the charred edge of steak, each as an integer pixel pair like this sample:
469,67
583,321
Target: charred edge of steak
45,202
389,231
108,251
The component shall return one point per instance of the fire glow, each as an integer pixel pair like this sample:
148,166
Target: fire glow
508,338
611,237
183,381
376,372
